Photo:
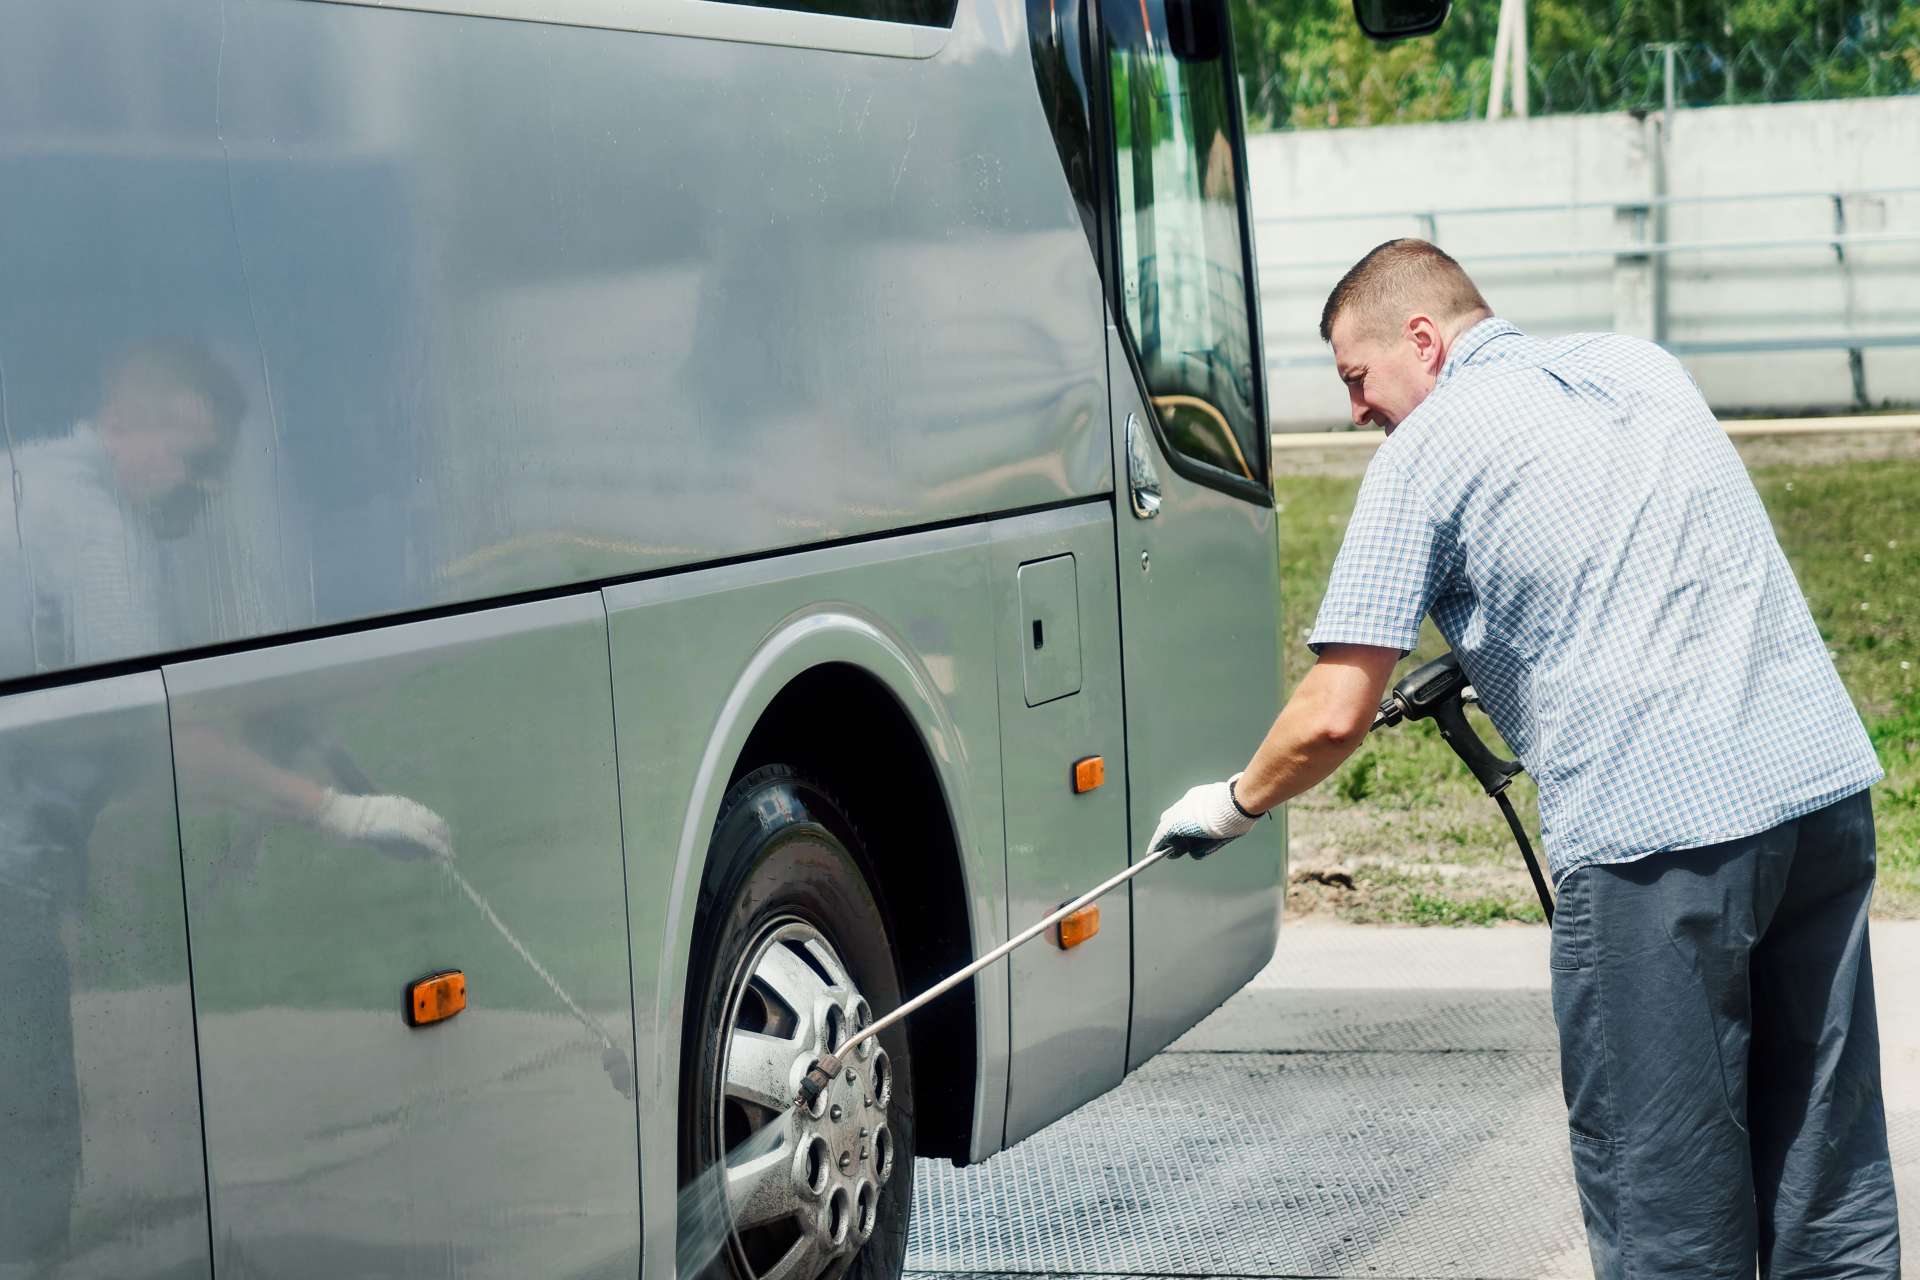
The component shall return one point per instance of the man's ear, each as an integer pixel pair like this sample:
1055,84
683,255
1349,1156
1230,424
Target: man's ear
1428,346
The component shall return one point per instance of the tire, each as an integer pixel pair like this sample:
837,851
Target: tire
786,869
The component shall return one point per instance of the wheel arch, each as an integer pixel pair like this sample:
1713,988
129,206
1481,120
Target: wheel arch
893,757
840,724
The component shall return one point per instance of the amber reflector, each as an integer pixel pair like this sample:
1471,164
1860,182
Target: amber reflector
1089,773
436,997
1079,926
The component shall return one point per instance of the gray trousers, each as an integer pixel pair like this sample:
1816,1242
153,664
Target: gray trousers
1721,1057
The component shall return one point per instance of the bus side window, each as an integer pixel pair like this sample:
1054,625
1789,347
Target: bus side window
919,13
1183,269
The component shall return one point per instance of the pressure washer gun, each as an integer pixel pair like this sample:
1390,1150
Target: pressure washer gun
1439,691
1436,691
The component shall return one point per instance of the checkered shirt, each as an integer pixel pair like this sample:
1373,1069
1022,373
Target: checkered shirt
1588,541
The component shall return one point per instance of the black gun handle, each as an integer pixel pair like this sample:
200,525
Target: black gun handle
1195,847
1490,770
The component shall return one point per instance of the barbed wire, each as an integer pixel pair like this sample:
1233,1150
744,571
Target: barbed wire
1608,78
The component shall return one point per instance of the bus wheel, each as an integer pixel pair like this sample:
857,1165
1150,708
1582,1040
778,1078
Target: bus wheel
791,955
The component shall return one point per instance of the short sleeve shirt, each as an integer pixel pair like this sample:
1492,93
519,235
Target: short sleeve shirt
1588,541
81,576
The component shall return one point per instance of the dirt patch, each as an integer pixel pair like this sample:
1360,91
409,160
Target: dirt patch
1447,860
1819,450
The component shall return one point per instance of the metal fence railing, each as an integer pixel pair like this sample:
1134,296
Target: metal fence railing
1640,253
1608,78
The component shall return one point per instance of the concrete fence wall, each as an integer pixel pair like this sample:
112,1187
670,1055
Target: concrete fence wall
1323,198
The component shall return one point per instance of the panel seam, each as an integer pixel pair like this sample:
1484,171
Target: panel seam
1126,754
193,995
626,919
1006,853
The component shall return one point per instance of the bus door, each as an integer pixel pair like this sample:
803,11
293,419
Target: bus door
1195,523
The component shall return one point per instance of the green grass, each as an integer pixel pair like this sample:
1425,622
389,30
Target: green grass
1433,908
1853,535
1422,843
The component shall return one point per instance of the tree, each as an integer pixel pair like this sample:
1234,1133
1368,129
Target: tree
1306,64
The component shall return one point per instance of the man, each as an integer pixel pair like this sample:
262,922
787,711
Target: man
1587,539
93,510
90,513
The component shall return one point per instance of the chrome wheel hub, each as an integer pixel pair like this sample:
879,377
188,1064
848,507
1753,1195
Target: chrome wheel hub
800,1209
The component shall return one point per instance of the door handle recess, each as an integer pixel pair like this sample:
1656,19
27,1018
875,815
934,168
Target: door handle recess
1143,478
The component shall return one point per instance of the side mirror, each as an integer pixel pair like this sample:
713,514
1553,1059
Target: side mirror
1399,19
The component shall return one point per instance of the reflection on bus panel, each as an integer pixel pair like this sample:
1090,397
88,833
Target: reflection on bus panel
622,534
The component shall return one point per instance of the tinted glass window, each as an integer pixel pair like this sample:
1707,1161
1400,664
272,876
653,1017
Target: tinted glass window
1183,274
1060,66
920,13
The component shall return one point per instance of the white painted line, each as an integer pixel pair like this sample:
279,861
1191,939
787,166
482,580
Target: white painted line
1736,428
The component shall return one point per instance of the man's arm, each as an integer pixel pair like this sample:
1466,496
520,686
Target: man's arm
1323,723
244,777
1392,564
1325,719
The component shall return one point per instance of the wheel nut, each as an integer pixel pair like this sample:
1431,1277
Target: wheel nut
869,1102
846,1161
863,1151
837,1113
863,1131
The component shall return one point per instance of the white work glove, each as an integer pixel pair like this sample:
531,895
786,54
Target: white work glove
1202,820
393,824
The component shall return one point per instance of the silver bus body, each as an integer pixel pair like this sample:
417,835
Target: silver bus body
559,404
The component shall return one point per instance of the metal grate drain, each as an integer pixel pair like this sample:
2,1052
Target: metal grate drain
1374,1133
1354,1164
1293,1135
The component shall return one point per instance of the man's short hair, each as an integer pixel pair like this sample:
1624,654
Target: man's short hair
156,366
1396,280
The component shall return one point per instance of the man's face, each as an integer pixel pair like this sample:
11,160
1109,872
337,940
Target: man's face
168,453
1389,373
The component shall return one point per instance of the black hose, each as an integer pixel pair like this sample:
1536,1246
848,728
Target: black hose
1533,863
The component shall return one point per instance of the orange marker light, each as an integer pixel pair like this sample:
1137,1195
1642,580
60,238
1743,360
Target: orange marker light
1088,774
1078,927
436,997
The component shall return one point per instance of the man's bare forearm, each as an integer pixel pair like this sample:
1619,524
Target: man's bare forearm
1324,721
244,776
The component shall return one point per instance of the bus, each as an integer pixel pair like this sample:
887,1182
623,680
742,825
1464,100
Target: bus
559,556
